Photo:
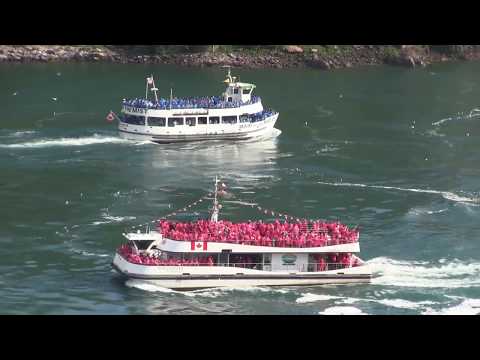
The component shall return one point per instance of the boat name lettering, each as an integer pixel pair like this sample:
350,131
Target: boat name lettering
135,110
194,112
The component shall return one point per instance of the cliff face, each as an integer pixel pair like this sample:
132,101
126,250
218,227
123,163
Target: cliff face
276,56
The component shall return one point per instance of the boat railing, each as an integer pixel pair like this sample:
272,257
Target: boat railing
213,102
310,267
282,243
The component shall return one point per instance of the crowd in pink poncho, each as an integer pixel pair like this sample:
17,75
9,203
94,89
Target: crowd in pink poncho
130,255
281,234
321,262
345,260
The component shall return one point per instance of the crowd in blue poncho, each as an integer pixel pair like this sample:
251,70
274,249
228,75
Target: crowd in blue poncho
205,102
261,116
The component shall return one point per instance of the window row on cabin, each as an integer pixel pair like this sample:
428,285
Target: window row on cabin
189,121
245,91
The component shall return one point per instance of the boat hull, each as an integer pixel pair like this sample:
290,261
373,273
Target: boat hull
189,277
243,132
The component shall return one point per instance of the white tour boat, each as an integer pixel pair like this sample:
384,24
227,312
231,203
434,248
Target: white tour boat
236,115
212,253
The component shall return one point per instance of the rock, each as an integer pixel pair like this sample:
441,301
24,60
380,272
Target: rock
411,61
320,63
293,49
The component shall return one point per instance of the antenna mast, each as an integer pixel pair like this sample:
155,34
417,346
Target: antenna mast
215,211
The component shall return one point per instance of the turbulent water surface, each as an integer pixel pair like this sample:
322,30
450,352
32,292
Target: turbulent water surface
394,150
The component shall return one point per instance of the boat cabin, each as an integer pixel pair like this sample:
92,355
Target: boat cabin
238,92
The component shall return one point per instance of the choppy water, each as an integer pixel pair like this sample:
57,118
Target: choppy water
394,150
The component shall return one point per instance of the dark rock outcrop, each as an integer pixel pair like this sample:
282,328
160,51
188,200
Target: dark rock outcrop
291,56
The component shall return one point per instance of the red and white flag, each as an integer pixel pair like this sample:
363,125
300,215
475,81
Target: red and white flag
198,245
150,80
110,117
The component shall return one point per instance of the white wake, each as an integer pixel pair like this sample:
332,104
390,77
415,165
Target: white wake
82,141
445,194
453,274
472,114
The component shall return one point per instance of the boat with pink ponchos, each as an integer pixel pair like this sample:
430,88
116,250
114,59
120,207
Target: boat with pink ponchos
218,253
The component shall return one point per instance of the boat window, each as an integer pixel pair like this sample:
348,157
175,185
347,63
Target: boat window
246,91
244,118
202,120
267,259
143,244
229,119
134,120
156,121
235,91
175,121
214,120
230,99
190,121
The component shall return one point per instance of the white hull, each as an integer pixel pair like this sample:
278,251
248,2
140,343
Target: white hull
209,132
197,277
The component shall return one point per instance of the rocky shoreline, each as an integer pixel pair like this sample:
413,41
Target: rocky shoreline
291,56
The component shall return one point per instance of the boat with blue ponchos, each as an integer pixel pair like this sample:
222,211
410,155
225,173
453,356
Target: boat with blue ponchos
236,115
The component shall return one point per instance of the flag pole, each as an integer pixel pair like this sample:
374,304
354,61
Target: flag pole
146,90
115,115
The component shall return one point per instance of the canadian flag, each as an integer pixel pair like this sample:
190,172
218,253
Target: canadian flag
110,117
197,245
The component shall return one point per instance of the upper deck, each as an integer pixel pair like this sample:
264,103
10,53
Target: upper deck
189,103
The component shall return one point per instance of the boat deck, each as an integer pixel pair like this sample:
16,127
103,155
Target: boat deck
204,102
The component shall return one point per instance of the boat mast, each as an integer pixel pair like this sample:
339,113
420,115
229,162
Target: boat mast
154,89
215,211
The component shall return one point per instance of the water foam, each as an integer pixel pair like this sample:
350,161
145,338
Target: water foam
146,286
328,148
403,304
453,274
472,114
420,211
22,133
208,293
240,202
342,310
445,194
466,307
86,253
396,303
90,140
307,298
151,287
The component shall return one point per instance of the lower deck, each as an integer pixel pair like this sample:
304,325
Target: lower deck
239,275
182,132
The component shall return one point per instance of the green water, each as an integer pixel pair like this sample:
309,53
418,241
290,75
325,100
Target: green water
392,149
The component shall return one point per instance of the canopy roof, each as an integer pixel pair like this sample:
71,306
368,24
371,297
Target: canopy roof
243,85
